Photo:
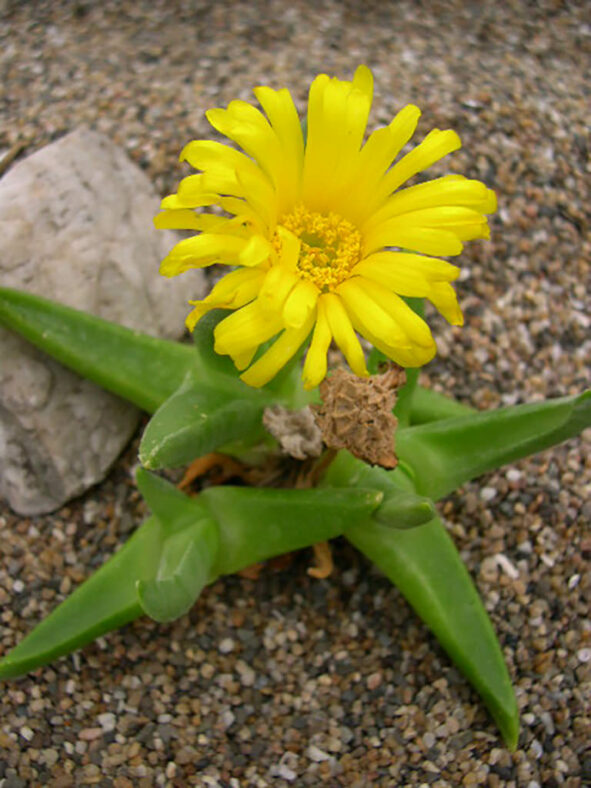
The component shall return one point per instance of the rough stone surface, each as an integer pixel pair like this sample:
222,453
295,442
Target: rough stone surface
76,223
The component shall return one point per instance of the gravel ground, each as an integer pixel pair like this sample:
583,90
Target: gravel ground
289,680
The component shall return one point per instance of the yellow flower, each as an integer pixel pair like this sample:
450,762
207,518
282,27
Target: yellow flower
312,226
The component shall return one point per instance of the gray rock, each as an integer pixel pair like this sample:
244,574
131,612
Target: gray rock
76,223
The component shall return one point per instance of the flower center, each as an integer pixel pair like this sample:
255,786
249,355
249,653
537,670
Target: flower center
330,246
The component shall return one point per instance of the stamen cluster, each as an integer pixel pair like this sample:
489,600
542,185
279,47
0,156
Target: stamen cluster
330,246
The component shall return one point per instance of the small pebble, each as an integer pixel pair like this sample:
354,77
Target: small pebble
107,721
170,770
90,734
207,670
429,740
317,755
506,565
246,674
513,475
226,646
374,680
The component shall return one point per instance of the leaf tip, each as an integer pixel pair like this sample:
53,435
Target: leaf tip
506,716
11,668
511,738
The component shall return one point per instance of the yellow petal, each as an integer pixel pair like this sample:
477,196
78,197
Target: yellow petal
193,186
363,80
376,156
337,117
256,251
245,329
209,154
434,147
277,356
465,223
449,190
413,326
285,122
283,116
242,360
233,287
247,126
402,282
259,194
443,297
229,172
290,248
315,364
342,331
184,219
400,271
300,303
407,356
201,251
244,213
196,314
232,291
421,239
383,145
368,316
278,284
174,201
315,139
416,356
358,107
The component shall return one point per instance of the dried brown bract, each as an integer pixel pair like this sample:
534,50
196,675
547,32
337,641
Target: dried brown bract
356,414
295,431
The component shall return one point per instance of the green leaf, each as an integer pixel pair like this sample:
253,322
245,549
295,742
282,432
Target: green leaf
186,543
189,550
425,566
375,360
201,416
447,453
107,600
402,409
184,570
251,525
405,510
256,523
135,366
204,342
405,396
150,370
174,510
428,405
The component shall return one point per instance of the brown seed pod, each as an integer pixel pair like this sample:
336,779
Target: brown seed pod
356,414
